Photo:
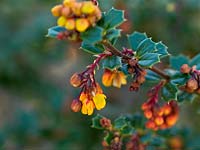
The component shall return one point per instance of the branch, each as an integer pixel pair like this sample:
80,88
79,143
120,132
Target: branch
117,52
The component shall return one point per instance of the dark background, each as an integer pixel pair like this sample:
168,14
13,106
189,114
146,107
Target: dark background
35,93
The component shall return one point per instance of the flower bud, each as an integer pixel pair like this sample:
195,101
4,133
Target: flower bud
88,7
56,11
82,24
159,120
141,79
148,114
192,84
150,124
132,62
76,80
68,2
185,68
70,24
171,119
167,110
61,21
76,9
105,123
76,105
66,12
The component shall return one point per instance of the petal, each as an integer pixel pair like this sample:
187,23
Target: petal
83,97
84,109
123,78
117,81
99,101
90,107
107,78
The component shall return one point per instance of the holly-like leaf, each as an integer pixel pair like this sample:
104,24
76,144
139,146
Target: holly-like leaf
113,34
184,96
92,35
149,59
96,122
162,49
169,92
112,62
112,19
54,31
146,46
92,49
109,136
152,76
195,61
177,61
128,129
135,39
180,79
120,123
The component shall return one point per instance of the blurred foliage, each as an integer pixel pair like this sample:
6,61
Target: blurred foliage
34,71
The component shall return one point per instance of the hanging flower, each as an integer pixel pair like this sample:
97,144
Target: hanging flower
113,78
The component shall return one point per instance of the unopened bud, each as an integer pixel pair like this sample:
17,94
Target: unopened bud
185,68
82,24
76,80
56,11
148,114
105,123
76,105
132,62
192,84
159,121
66,11
141,79
171,119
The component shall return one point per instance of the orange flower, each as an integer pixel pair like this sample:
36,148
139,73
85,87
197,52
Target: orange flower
115,78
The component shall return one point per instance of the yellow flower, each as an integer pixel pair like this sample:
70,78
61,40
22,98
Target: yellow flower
68,2
82,24
99,101
87,104
88,8
61,21
115,78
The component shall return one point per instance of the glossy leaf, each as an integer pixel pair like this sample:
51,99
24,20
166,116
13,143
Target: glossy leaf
112,62
135,39
177,61
112,34
162,49
120,123
92,35
112,19
92,49
96,122
149,59
152,77
195,61
54,31
169,92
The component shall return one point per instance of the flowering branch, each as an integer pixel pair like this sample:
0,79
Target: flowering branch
115,51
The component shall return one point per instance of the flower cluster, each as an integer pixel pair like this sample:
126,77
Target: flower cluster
113,77
134,69
159,117
115,144
193,84
76,17
91,95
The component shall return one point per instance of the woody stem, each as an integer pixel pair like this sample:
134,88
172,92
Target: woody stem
117,52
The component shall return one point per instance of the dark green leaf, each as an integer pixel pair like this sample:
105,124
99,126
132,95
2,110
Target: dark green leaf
96,122
180,79
112,18
109,136
92,35
153,77
177,61
146,46
120,123
112,62
93,49
112,34
149,59
162,49
184,96
128,129
135,39
195,61
169,92
54,31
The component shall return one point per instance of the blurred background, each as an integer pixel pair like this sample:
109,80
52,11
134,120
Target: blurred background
35,94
